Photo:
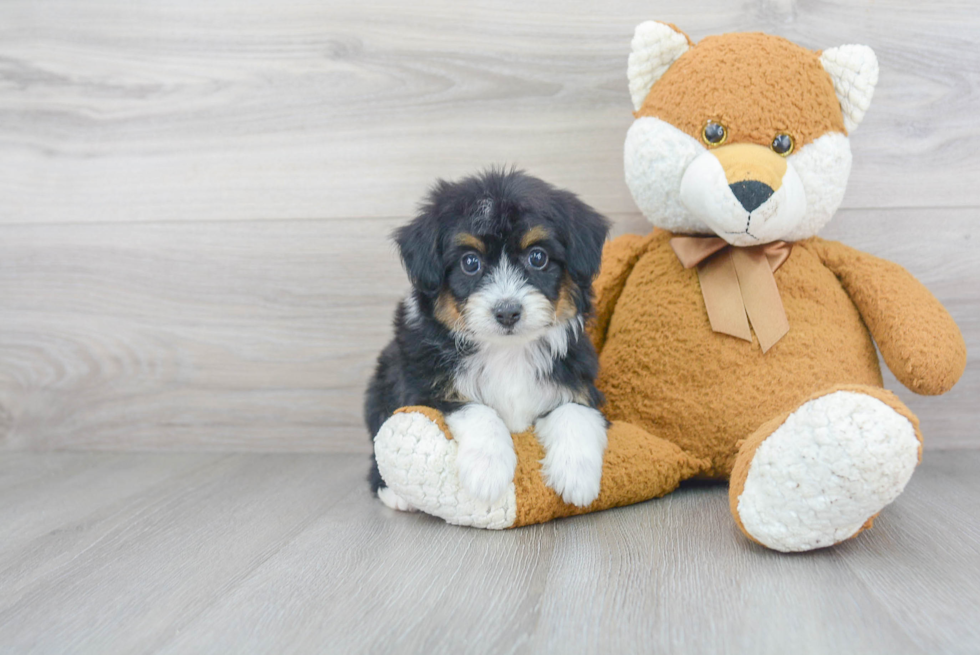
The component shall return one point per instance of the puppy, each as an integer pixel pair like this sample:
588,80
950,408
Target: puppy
491,334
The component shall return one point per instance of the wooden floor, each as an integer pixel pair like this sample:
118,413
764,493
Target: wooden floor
279,553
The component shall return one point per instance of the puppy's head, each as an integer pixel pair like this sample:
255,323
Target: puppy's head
501,257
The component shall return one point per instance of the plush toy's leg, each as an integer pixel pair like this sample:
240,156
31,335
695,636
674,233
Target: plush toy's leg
417,459
394,501
820,474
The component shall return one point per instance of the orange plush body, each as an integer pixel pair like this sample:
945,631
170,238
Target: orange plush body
662,367
813,445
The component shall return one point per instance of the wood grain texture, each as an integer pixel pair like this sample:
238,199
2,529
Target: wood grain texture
195,198
245,335
261,335
290,553
122,111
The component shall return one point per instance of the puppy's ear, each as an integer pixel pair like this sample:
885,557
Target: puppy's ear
418,244
587,231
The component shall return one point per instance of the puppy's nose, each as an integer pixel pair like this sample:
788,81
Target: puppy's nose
751,194
507,313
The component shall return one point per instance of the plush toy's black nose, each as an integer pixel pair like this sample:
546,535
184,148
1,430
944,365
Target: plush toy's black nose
751,194
507,313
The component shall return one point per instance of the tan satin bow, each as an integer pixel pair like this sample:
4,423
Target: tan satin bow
736,282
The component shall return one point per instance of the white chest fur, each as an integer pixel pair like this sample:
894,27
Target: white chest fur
514,380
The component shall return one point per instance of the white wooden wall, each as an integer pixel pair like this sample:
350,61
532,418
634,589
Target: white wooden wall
195,196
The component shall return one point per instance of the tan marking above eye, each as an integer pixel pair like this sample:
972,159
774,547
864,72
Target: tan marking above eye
535,234
468,240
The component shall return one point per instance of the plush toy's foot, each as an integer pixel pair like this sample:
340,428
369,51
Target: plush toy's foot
417,458
820,475
394,501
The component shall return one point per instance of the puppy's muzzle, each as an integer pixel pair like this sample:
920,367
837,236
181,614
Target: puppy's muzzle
507,313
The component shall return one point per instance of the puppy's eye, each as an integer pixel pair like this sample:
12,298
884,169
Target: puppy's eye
714,134
537,258
782,144
470,263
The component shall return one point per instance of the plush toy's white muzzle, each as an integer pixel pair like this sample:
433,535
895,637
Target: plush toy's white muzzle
745,193
682,186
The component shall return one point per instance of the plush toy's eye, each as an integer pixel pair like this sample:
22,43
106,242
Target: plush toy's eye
537,258
714,134
782,144
470,263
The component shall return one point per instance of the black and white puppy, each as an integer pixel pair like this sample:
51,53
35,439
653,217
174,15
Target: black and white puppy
491,334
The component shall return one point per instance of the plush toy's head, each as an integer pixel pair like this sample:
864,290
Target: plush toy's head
742,135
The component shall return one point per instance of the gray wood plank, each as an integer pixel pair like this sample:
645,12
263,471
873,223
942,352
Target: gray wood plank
134,573
260,335
260,553
120,111
20,468
76,483
46,520
645,577
939,604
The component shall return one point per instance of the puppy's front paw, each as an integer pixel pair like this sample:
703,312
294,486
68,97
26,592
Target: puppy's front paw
486,472
573,474
486,458
574,440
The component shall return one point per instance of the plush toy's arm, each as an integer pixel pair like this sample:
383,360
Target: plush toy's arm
917,337
618,258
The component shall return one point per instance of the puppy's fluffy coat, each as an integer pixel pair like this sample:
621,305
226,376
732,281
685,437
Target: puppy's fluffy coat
491,334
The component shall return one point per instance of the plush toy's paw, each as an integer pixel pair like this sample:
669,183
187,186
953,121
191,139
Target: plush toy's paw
394,501
418,463
574,439
831,466
486,458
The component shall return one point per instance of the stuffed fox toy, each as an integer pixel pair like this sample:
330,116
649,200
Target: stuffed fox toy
734,343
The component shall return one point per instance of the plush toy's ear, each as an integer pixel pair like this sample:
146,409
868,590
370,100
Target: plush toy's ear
854,70
655,47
